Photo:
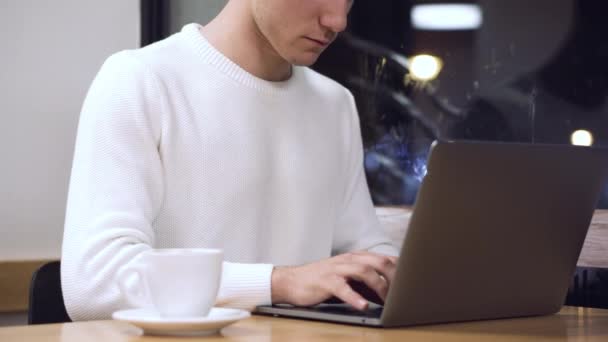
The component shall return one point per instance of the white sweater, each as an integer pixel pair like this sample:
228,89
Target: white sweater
180,147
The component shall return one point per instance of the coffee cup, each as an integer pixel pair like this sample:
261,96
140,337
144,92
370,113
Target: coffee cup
176,282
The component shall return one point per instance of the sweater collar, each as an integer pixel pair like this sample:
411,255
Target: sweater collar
210,54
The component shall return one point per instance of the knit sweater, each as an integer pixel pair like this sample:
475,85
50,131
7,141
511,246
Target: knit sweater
179,147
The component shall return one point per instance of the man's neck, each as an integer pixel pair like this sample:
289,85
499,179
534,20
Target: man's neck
234,33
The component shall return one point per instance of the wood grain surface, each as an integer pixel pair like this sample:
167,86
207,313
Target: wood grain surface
571,324
15,277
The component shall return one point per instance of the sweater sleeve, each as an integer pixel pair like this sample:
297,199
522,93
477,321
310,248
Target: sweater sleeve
116,191
358,227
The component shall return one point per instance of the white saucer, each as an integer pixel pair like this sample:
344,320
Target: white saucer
153,324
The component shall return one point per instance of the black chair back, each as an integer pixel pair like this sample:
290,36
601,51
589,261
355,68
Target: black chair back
589,288
46,299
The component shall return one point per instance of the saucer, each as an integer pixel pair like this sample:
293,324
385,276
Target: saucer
153,324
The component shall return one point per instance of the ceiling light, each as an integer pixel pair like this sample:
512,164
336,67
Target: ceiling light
446,17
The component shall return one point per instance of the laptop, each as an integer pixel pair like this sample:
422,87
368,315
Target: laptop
496,232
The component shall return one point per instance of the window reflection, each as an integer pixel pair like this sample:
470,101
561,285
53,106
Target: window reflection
526,70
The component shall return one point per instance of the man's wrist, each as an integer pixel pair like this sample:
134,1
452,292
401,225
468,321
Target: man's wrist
278,284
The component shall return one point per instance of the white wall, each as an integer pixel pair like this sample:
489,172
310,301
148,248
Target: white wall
49,54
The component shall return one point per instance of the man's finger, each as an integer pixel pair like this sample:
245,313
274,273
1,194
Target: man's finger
367,275
383,264
343,291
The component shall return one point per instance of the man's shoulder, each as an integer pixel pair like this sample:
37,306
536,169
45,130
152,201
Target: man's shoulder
159,57
324,86
166,52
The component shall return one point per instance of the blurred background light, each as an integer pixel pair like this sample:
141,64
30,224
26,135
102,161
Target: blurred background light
581,137
424,67
446,16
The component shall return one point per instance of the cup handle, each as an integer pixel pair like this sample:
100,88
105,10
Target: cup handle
136,298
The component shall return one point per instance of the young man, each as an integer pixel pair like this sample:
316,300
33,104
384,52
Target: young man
219,136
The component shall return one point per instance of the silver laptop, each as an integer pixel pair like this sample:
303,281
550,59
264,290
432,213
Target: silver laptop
496,232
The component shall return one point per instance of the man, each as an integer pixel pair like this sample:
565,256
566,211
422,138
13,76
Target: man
219,137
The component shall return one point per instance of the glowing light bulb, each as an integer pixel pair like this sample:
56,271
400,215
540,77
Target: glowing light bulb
425,67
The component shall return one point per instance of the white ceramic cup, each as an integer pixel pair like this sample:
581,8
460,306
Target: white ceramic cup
176,282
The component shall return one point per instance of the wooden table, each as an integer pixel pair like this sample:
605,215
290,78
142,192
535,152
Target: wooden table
571,324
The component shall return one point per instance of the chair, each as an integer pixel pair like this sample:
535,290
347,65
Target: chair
589,288
46,299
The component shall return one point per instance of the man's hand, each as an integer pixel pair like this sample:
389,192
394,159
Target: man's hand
316,282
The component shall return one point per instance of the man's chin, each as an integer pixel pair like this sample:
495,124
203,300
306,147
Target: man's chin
305,59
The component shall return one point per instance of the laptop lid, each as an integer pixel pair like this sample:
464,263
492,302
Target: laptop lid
496,232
